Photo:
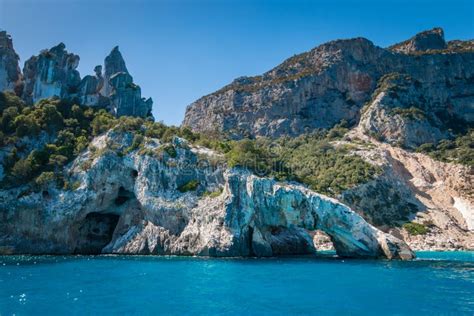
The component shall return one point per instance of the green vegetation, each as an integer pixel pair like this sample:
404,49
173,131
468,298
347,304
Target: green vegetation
189,186
40,140
212,194
170,150
61,130
460,150
57,130
310,159
415,228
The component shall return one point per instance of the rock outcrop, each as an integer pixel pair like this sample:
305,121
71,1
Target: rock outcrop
136,203
126,97
10,75
113,64
422,42
53,74
334,81
400,114
90,87
414,188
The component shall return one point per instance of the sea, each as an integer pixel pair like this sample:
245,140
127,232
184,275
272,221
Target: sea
436,283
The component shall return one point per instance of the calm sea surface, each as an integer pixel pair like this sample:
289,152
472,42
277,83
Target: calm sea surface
435,284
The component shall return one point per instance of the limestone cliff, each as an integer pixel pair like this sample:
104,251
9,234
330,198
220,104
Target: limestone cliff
319,88
53,73
142,203
10,74
414,188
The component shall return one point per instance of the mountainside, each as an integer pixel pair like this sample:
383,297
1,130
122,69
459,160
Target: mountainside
334,81
135,190
349,146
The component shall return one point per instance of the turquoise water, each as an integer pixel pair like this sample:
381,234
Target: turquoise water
436,283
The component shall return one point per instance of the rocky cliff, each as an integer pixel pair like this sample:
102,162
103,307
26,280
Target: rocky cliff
10,74
148,201
77,180
334,81
53,73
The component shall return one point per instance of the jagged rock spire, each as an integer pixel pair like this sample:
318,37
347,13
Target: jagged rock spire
51,73
113,63
10,74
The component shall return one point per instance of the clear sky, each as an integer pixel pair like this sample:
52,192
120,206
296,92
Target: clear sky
178,51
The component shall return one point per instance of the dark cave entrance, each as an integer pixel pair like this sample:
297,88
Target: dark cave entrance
123,196
95,232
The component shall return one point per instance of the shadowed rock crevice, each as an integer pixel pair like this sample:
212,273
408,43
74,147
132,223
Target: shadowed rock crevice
95,232
123,196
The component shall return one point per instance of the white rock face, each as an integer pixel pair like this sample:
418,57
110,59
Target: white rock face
51,73
137,204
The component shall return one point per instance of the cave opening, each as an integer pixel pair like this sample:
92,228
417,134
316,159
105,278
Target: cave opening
123,196
95,232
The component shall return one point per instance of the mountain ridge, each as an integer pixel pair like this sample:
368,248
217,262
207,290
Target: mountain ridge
330,83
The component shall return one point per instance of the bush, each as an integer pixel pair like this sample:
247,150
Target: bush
171,151
212,194
189,186
44,179
415,228
460,150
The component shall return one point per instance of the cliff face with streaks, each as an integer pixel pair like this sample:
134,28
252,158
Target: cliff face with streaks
334,81
53,73
138,204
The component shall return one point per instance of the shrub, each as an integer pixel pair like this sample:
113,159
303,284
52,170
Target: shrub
415,228
44,179
460,150
189,186
136,143
413,113
170,150
212,194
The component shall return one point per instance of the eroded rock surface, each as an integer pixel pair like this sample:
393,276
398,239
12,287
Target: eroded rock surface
424,41
415,188
332,82
135,204
53,73
10,74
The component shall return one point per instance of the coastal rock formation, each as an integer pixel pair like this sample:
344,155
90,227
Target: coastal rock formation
53,74
334,81
10,74
414,188
126,97
113,64
90,87
144,204
401,115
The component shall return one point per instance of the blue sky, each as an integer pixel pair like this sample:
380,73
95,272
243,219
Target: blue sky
178,51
